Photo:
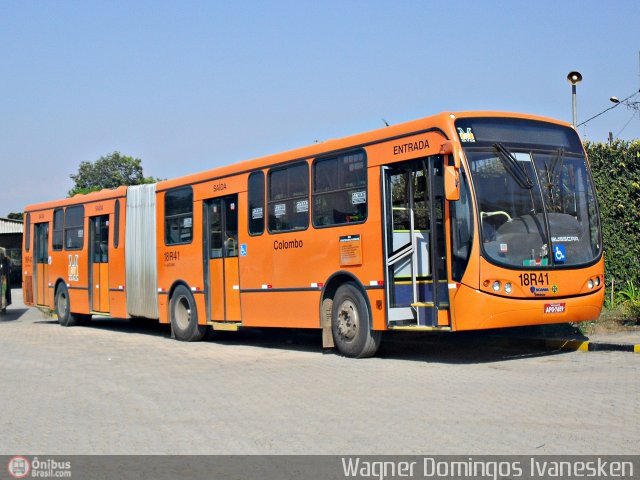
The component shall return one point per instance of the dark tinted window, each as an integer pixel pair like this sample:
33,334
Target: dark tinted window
116,226
74,228
256,203
340,190
476,132
178,216
58,228
289,198
27,235
461,229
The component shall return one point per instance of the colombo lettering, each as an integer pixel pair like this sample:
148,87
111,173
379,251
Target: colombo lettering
287,245
410,147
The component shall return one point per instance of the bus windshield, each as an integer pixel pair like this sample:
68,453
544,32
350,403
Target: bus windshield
535,198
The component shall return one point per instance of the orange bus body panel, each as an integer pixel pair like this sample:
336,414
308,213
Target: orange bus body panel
478,310
280,279
217,294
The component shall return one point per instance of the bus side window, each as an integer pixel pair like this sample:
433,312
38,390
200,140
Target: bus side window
27,233
178,216
116,226
461,229
74,228
256,203
340,190
289,198
58,227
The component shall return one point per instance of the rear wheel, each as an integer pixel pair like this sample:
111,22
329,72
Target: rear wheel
63,307
184,316
351,323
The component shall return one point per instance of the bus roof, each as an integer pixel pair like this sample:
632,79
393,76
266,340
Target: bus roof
443,121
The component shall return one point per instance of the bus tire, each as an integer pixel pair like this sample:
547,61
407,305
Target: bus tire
184,316
351,323
63,307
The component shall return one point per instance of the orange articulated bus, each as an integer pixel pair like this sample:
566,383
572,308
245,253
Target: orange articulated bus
458,221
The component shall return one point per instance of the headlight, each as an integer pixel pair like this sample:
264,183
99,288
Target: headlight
507,288
597,281
496,286
590,284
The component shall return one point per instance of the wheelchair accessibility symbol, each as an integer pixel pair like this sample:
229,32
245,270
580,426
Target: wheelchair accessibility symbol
559,253
243,249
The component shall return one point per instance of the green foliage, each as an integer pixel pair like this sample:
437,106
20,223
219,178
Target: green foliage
629,297
616,174
15,216
110,171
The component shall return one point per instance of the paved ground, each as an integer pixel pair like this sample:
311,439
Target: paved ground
118,388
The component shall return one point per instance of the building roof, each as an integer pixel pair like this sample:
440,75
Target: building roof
10,226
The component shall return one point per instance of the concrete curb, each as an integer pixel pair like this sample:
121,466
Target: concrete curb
587,346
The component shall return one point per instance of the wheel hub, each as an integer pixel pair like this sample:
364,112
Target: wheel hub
183,313
62,304
348,320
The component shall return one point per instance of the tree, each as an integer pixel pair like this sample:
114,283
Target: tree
109,171
15,216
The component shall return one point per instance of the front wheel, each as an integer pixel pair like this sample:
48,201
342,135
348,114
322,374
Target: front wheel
351,323
63,307
184,316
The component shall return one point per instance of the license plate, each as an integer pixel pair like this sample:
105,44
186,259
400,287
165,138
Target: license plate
554,307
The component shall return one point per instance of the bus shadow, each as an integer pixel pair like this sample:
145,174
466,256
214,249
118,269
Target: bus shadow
300,340
432,347
130,326
461,347
456,348
12,314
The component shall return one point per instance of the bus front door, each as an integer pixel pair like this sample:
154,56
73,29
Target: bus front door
99,264
41,263
221,254
415,250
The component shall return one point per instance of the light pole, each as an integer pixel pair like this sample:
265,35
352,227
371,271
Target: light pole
574,78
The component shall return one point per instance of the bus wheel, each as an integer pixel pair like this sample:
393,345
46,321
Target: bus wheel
184,316
351,324
63,307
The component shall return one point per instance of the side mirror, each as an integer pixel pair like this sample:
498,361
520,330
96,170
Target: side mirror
451,172
451,183
448,148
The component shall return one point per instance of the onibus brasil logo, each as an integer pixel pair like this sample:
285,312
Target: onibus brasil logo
21,467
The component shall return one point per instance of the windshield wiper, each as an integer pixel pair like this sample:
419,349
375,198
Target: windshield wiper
513,166
556,166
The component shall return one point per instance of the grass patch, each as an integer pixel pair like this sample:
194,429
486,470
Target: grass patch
612,319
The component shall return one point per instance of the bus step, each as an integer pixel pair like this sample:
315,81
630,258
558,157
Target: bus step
419,328
226,326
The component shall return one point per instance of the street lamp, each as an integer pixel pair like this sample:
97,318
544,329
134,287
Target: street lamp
574,78
626,102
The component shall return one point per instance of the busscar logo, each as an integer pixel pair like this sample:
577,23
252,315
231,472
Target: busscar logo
18,467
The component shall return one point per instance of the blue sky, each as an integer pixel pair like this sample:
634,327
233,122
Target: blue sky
187,85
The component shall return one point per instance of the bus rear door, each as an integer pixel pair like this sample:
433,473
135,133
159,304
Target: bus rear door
415,249
221,259
41,264
99,264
